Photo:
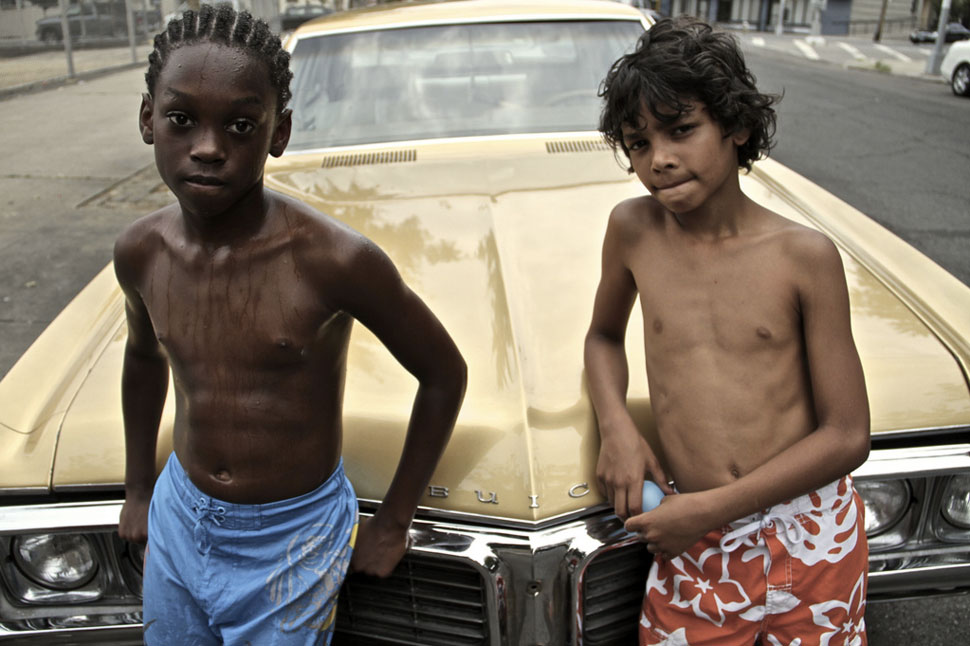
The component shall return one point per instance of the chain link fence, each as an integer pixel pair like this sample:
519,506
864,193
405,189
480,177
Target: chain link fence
45,42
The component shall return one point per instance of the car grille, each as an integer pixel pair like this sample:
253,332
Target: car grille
612,595
426,602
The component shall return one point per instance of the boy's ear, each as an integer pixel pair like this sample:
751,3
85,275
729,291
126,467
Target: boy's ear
741,137
145,124
281,133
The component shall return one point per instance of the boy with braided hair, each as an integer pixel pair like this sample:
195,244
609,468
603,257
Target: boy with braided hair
755,382
248,296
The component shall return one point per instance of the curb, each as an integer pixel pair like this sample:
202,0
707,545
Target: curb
61,81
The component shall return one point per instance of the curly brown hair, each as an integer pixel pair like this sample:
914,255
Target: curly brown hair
683,60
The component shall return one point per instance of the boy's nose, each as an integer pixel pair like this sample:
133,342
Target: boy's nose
208,147
662,159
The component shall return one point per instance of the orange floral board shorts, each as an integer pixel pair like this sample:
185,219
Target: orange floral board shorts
794,575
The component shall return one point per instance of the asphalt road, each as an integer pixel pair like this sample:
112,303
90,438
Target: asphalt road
898,149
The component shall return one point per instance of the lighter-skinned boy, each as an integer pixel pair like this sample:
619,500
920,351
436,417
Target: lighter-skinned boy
249,297
755,383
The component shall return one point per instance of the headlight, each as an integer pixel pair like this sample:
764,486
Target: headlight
58,561
886,503
956,501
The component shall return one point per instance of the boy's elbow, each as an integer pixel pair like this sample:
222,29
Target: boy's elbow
860,445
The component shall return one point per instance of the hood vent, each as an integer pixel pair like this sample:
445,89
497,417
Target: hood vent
576,146
363,159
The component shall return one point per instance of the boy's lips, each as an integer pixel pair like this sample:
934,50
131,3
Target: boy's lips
670,185
204,180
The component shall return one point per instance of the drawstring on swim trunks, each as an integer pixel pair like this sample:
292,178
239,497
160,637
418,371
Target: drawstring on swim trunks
760,522
203,508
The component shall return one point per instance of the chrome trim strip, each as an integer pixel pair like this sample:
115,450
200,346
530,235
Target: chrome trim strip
917,432
488,521
127,635
950,577
113,487
915,462
25,491
79,516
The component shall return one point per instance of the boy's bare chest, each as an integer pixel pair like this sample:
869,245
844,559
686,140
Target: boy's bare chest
732,302
235,312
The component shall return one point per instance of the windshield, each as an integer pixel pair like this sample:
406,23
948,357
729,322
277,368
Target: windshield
452,81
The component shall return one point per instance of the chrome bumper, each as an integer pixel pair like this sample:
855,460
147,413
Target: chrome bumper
572,580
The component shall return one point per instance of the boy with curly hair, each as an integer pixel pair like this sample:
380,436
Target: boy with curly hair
249,297
755,382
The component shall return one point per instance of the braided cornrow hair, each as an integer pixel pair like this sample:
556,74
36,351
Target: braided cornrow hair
222,24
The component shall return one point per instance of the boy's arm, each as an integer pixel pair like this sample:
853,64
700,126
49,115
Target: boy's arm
144,385
625,458
379,299
837,446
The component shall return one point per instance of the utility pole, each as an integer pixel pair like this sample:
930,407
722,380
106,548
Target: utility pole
933,64
66,32
882,19
780,27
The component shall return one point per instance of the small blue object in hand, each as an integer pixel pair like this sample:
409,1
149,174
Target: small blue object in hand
652,495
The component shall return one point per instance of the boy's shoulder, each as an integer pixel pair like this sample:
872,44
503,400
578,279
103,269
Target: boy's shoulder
137,237
637,214
316,233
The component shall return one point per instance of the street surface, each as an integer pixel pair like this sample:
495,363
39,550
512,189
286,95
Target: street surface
896,148
75,172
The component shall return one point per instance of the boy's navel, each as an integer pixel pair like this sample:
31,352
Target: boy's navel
658,326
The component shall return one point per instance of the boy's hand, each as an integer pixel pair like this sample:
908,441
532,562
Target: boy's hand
133,523
671,528
625,460
379,548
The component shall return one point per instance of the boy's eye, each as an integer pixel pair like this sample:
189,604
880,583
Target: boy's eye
683,128
179,119
637,144
241,127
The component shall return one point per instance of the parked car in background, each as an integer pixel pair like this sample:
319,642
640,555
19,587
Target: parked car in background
955,68
461,137
296,15
954,32
96,20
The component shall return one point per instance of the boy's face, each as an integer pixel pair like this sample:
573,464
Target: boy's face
683,163
213,120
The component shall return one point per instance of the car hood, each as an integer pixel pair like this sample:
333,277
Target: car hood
502,239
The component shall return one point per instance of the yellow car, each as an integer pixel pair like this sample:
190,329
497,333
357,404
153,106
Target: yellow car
460,136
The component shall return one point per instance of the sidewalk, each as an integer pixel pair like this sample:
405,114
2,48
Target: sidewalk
48,68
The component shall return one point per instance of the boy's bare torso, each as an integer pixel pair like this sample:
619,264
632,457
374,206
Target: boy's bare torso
724,347
257,352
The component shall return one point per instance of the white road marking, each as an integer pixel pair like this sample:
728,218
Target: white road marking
892,52
758,41
855,53
806,49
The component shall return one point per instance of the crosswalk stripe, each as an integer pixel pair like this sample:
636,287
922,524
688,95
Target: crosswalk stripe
855,53
758,41
806,49
893,52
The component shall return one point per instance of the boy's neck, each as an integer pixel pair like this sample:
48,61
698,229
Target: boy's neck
730,214
240,222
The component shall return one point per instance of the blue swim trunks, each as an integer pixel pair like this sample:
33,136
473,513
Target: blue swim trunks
223,573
